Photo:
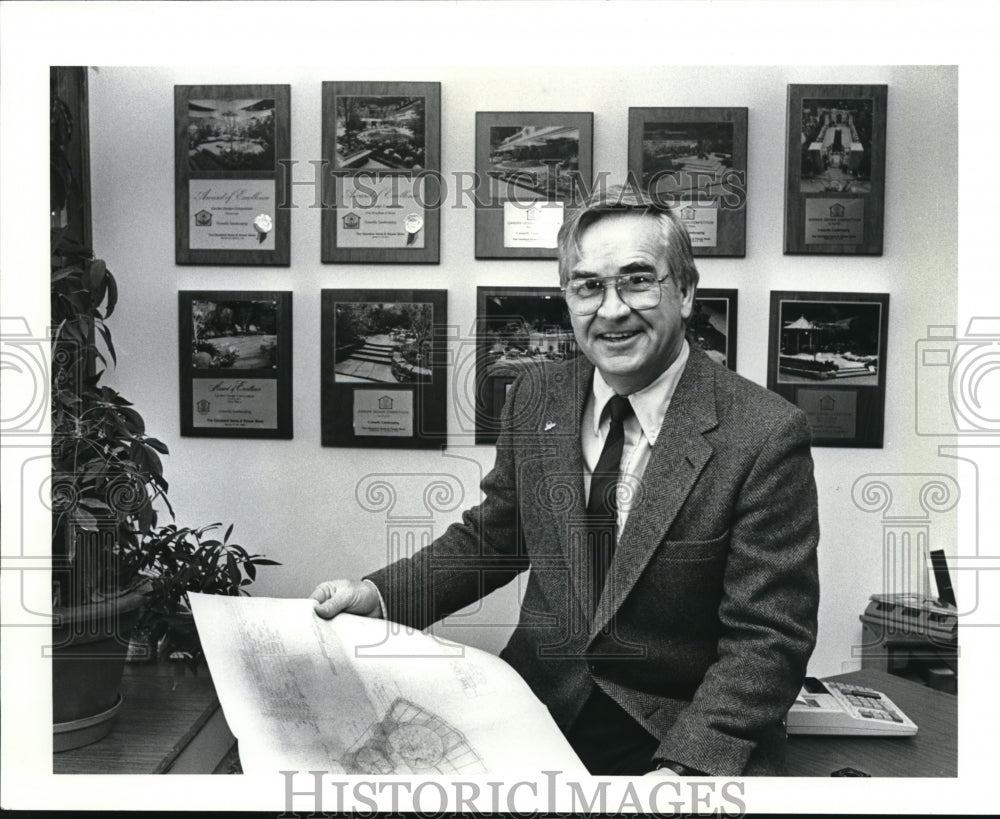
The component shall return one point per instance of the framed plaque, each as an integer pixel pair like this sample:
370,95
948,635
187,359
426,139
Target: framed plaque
228,141
712,326
827,356
382,172
530,167
516,327
236,363
695,160
383,364
835,176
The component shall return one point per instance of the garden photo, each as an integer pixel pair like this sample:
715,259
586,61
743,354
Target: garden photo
381,133
686,156
235,335
827,340
383,342
836,146
516,330
231,134
533,159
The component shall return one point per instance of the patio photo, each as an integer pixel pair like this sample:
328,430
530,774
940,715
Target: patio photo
532,161
519,329
829,340
386,342
227,134
386,133
686,156
236,335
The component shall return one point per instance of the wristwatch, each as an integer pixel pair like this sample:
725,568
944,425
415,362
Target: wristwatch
677,768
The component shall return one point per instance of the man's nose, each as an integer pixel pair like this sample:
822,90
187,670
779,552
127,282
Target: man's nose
612,307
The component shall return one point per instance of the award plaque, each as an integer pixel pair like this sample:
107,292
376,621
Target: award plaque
383,368
229,142
835,176
827,356
236,363
381,180
695,161
530,167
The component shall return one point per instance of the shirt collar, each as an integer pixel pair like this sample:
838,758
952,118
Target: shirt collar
650,403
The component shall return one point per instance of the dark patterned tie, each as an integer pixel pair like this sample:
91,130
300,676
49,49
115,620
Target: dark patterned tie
602,505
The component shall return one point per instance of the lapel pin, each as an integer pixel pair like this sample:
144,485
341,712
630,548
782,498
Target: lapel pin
550,425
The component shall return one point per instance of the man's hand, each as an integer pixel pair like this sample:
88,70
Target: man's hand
352,596
664,773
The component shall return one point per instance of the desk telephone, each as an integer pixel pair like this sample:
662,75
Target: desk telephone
842,708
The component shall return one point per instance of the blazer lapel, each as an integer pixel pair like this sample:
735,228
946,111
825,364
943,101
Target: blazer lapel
560,485
677,459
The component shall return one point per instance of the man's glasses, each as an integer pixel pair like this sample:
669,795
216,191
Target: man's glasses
640,291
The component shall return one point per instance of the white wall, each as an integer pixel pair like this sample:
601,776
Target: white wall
295,500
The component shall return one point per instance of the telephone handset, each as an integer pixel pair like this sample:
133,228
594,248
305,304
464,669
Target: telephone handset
843,708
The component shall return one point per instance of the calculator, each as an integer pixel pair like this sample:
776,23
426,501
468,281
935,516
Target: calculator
828,707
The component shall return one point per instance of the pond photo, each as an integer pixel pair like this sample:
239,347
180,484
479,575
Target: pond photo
686,156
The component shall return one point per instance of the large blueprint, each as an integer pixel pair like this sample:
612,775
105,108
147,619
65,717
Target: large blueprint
358,695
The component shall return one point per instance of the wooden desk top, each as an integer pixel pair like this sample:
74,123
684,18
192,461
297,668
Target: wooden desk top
164,707
933,751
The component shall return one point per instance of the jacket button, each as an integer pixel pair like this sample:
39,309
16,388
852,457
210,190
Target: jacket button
595,668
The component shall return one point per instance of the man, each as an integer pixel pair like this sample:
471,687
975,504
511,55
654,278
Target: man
683,656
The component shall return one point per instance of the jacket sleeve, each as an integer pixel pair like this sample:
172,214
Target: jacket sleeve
767,614
473,557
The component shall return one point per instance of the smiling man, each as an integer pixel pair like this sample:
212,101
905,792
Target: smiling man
666,508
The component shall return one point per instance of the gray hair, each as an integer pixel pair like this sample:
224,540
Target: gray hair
629,199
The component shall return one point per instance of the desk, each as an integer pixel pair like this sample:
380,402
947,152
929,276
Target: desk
170,722
933,751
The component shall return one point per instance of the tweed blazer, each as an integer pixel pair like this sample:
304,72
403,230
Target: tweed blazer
708,616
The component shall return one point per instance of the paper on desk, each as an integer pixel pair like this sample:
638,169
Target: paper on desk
357,695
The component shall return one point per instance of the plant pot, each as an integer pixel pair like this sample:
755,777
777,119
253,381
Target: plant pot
88,657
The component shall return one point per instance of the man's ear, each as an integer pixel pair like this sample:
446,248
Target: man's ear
687,302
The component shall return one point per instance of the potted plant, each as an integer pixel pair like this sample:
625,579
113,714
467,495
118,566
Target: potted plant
113,564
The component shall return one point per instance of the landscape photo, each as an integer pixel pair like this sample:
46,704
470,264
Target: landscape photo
836,146
517,330
686,156
231,134
387,133
829,340
238,334
708,328
529,162
387,342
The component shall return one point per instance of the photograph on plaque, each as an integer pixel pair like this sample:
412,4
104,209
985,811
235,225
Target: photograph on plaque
695,161
229,143
530,168
827,356
383,361
381,145
712,325
516,327
236,363
835,173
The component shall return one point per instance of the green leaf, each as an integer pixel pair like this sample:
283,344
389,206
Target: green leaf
229,531
95,277
134,419
158,445
112,295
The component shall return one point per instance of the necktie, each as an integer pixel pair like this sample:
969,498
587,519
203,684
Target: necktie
602,505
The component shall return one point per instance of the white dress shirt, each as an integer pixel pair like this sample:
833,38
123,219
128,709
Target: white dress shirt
641,430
